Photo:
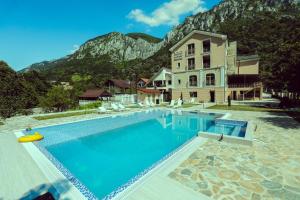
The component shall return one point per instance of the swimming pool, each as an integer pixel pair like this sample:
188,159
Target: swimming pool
107,154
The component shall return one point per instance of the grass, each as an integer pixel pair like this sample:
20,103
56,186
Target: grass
245,108
64,115
188,105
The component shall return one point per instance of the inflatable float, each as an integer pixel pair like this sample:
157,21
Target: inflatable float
31,138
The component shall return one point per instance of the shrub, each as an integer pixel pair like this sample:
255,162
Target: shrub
56,99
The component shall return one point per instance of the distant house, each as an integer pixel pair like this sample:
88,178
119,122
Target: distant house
141,83
115,86
93,95
162,81
149,94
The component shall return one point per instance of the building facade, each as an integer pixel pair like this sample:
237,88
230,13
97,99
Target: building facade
201,63
162,81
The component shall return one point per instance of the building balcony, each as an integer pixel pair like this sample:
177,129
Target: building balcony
244,81
245,85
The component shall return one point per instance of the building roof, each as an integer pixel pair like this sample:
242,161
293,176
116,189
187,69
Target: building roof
224,37
148,91
120,83
146,80
157,73
247,57
95,93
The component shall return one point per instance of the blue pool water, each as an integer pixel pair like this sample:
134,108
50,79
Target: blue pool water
106,153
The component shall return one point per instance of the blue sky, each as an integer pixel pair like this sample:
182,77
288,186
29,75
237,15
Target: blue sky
36,30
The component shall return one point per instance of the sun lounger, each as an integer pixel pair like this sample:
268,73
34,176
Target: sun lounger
122,107
102,110
152,104
115,107
179,104
192,100
172,103
147,103
141,104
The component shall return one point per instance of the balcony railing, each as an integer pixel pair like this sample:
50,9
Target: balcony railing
245,85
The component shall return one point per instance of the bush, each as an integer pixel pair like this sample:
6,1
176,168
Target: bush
56,99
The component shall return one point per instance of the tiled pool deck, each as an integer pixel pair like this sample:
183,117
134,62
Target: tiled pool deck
270,169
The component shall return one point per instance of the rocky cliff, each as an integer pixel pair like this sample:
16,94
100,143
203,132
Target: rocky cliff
226,9
118,46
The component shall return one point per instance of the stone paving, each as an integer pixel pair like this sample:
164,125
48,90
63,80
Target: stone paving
270,169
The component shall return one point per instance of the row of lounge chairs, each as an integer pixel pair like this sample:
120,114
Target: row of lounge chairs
114,107
120,107
173,103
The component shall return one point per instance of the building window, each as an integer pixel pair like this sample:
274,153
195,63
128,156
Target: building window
191,49
179,81
193,80
169,82
191,63
206,61
193,94
206,46
178,65
210,79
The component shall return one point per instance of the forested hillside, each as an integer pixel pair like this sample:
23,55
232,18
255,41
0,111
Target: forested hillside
19,92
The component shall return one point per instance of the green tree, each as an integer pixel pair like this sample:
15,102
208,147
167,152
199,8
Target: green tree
56,99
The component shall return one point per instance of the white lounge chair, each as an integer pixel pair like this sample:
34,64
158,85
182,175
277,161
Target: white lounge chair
147,103
179,104
172,103
152,104
102,110
115,107
192,100
141,104
122,107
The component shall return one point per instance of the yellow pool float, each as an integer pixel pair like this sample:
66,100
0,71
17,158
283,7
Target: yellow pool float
31,138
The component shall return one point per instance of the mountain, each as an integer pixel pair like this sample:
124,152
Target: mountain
225,10
117,46
259,26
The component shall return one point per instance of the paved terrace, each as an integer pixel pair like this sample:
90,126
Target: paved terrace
270,169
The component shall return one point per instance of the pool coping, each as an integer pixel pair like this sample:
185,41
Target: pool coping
78,187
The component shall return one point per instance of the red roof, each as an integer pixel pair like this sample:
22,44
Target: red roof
148,91
95,93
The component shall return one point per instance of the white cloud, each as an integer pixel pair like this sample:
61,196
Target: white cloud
75,48
168,13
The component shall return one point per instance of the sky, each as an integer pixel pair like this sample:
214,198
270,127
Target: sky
36,30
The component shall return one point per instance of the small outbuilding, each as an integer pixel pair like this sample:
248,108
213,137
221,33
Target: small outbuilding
92,95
